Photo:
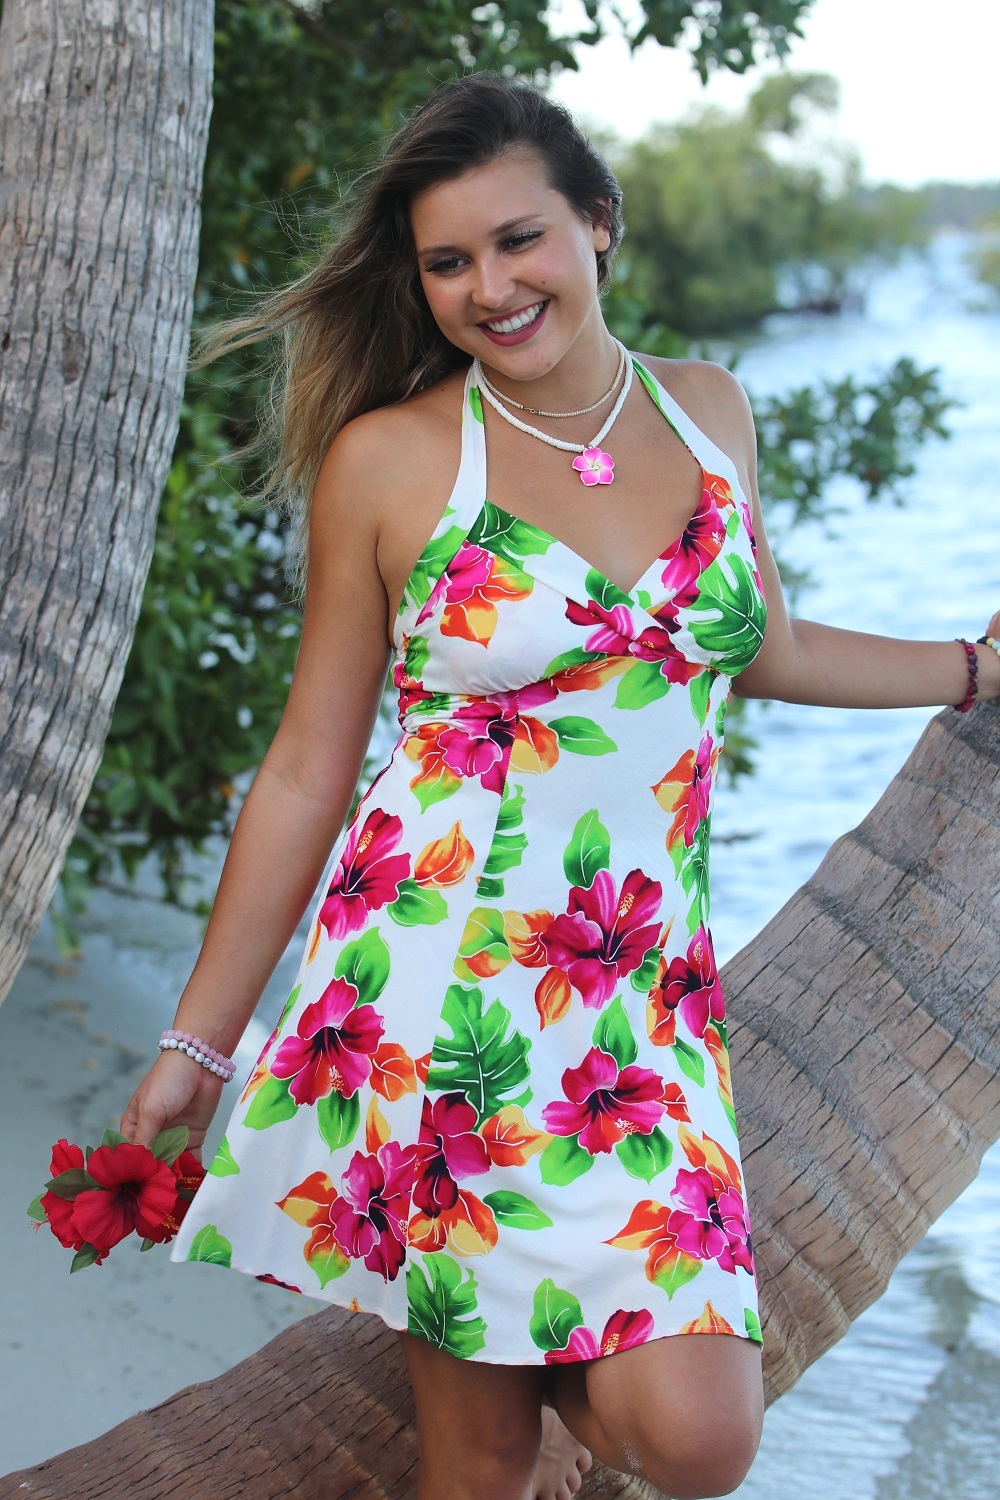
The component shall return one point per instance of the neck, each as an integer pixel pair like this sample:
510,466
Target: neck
582,375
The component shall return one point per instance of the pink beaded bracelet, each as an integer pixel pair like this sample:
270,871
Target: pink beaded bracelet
973,688
198,1051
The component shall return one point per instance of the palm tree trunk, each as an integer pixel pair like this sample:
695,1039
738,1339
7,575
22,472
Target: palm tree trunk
867,1065
104,108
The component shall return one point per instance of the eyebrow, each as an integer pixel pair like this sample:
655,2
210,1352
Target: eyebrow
496,233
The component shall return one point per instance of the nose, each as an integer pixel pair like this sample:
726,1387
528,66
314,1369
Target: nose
492,283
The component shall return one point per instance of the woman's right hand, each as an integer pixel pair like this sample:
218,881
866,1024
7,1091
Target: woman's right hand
175,1091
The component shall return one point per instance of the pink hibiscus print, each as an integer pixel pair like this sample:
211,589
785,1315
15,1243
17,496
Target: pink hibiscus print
605,1103
367,876
712,1222
623,1330
602,937
368,1219
613,629
697,546
332,1051
449,1149
478,739
690,987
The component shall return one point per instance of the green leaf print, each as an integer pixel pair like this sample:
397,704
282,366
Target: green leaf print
588,851
430,565
694,876
506,536
582,736
613,1034
690,1062
508,846
700,690
752,1323
604,592
476,402
720,717
554,1315
209,1245
645,1155
483,950
417,653
443,1307
730,1112
516,1211
223,1163
417,905
643,683
575,658
727,618
328,1263
676,1272
563,1161
435,786
338,1119
644,977
483,1057
365,964
289,1006
271,1104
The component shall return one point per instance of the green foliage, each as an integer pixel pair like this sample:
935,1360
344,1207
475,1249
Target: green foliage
723,228
984,258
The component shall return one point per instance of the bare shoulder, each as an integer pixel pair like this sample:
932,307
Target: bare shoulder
377,458
714,398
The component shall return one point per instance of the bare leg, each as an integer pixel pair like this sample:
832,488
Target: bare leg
683,1412
483,1433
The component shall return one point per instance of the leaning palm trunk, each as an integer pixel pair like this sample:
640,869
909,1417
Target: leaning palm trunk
867,1059
104,108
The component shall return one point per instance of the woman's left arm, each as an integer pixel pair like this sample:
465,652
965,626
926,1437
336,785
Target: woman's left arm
802,661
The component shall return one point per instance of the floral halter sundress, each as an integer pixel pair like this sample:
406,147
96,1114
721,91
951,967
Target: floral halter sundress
496,1109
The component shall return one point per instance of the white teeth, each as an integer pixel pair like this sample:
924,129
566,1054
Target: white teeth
511,325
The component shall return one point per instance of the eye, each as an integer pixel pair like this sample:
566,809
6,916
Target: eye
521,239
447,263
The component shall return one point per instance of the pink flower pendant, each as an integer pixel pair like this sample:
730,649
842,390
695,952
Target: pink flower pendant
595,466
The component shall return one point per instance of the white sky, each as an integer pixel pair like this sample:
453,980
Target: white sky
919,91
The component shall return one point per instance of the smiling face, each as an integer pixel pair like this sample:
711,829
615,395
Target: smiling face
509,268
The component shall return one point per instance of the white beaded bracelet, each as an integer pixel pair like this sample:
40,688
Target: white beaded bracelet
200,1052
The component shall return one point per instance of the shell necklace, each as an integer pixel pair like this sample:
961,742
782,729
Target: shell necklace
584,410
591,462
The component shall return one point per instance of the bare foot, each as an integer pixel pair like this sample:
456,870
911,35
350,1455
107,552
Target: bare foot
562,1461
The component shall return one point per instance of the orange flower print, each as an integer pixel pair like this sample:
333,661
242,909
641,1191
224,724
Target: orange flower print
535,748
468,1228
522,930
510,1140
708,1321
444,861
553,992
474,583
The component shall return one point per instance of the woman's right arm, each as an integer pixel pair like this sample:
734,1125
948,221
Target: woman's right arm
300,797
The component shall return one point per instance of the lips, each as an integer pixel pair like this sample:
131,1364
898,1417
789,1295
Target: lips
526,321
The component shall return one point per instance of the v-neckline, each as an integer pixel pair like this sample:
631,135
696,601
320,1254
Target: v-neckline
649,381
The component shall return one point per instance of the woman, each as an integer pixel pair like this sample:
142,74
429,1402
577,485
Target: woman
497,1107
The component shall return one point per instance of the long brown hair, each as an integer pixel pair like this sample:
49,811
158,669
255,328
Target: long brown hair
355,332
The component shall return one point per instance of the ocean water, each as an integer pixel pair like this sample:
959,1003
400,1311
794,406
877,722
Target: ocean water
907,1405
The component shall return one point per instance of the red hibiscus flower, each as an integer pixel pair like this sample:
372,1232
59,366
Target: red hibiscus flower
332,1051
188,1174
655,644
688,986
135,1192
369,1218
367,876
623,1330
449,1149
605,1103
602,937
613,630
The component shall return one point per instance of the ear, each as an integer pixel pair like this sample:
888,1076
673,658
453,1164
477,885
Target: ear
602,227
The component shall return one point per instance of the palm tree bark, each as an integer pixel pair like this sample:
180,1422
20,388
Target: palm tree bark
104,108
867,1068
